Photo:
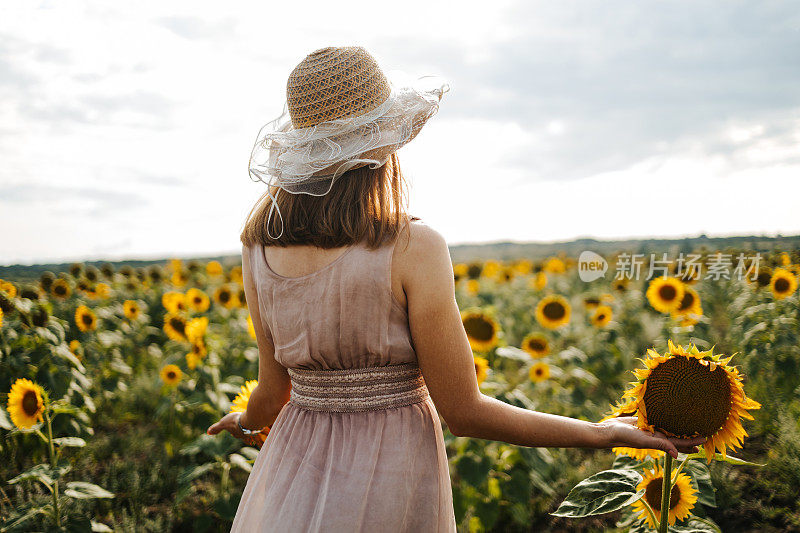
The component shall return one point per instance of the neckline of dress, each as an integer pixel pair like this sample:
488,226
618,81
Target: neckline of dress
323,269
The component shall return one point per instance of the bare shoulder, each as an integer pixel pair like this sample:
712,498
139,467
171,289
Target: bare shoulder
422,261
421,245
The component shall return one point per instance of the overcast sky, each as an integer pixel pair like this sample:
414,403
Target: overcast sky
125,129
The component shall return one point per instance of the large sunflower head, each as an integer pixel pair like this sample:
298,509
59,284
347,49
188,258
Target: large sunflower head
536,345
665,294
681,498
688,393
171,374
783,283
239,405
25,403
85,319
553,311
539,371
481,368
131,309
175,326
602,316
197,300
482,330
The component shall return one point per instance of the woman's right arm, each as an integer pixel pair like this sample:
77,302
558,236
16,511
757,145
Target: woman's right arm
448,367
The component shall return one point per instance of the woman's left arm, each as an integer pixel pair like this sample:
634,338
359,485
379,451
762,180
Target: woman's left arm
272,391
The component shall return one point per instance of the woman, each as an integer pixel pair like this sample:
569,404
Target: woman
361,344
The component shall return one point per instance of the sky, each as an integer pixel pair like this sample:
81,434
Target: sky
125,128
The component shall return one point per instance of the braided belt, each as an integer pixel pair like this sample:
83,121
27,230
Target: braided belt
357,389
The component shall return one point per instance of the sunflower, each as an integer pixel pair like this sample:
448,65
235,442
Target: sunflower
474,270
690,308
629,409
602,316
682,497
783,283
235,275
481,368
620,284
250,328
591,302
25,403
192,360
179,278
241,298
197,300
540,371
536,345
538,282
75,348
553,311
481,330
175,265
214,268
195,329
1,318
473,285
199,349
8,288
171,374
459,271
554,265
523,266
239,405
102,290
174,301
131,309
175,326
762,278
491,268
225,297
688,393
665,294
85,319
60,289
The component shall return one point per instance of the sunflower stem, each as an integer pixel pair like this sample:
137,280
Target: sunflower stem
651,512
666,489
678,470
52,452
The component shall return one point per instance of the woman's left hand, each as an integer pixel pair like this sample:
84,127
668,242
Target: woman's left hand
623,431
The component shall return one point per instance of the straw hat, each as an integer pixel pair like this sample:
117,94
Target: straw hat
341,112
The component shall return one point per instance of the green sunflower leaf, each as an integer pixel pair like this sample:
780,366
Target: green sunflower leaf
601,493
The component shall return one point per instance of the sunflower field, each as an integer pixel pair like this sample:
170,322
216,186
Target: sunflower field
109,377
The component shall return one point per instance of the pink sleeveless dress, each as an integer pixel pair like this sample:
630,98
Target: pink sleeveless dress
359,446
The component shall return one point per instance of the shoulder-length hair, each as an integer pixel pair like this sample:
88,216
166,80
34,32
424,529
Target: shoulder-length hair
364,204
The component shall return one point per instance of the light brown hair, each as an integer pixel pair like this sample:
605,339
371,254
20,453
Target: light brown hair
364,204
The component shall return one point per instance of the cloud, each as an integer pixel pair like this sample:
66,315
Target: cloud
71,200
625,83
197,28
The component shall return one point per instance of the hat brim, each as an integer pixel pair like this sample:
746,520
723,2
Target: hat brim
304,160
